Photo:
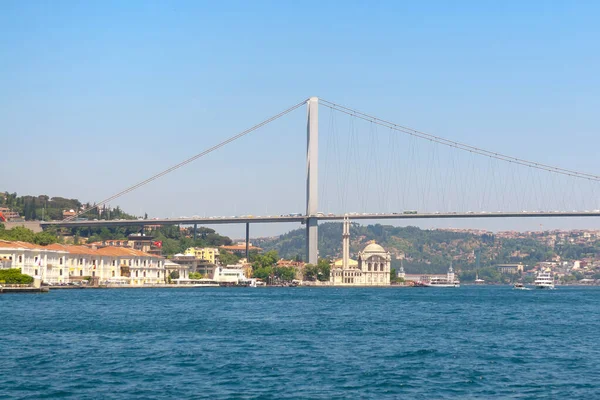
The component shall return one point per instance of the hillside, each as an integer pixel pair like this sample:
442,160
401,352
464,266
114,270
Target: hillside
42,207
432,250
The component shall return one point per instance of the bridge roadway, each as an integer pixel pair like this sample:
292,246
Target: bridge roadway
320,217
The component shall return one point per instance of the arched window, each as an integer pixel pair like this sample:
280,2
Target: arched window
144,274
370,266
381,267
136,274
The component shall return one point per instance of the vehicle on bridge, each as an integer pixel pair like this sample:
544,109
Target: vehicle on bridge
410,212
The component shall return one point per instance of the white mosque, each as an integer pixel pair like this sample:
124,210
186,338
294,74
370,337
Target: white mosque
371,269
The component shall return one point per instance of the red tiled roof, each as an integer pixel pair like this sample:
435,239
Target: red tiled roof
73,249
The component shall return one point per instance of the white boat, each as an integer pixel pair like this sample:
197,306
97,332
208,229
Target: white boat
449,281
544,280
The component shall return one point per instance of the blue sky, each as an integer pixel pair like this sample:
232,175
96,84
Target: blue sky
95,96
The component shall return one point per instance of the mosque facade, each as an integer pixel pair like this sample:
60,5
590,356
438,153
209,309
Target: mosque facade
371,268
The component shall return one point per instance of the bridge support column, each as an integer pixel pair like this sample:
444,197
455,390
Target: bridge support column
247,240
312,170
195,231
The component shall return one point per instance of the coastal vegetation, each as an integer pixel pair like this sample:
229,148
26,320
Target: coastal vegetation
264,266
22,234
14,276
319,272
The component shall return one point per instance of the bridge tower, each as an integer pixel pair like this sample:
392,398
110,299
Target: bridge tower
312,168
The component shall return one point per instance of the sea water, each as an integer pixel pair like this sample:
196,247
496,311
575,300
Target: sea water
288,343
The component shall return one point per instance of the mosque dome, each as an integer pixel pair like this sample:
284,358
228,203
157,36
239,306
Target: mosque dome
373,248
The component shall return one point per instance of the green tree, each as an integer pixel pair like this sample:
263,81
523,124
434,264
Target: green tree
324,270
45,238
264,273
285,274
268,259
228,258
310,272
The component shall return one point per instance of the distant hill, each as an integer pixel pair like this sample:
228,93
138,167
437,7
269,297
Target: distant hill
427,250
42,207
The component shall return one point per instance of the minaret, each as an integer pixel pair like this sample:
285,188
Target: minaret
345,242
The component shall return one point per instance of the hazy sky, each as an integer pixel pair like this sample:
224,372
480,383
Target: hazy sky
95,96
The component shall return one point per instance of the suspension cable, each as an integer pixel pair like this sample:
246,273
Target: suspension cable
189,160
458,145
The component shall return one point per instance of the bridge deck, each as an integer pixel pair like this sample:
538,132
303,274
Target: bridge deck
329,217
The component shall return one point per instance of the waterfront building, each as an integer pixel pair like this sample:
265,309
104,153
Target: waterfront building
372,267
58,263
510,268
143,243
209,254
192,264
182,270
231,274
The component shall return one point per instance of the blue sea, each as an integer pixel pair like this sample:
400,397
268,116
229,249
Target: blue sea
301,343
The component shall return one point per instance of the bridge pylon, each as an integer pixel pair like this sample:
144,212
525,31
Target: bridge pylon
312,174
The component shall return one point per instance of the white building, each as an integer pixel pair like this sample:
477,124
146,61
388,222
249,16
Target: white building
371,269
59,263
229,275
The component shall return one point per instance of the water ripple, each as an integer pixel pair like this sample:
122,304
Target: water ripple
293,343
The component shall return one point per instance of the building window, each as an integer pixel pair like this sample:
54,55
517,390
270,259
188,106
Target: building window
60,271
20,258
136,274
113,274
144,274
80,272
35,272
80,261
158,274
60,261
93,273
35,259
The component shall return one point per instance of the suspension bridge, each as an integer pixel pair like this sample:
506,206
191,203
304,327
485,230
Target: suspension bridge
400,172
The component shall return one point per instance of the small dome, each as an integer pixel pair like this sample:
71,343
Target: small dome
374,248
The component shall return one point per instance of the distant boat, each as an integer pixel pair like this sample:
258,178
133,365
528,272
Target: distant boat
449,281
544,280
477,280
520,286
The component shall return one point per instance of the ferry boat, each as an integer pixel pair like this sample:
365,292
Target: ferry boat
544,280
449,281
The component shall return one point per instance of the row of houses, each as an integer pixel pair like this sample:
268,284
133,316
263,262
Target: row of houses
58,263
